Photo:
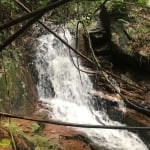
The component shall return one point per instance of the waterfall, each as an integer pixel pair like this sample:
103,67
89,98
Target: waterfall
65,94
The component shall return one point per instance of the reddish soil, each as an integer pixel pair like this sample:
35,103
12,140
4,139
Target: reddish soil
66,137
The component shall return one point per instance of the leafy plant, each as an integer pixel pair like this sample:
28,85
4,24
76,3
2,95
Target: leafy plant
5,142
13,126
35,127
43,143
9,4
143,1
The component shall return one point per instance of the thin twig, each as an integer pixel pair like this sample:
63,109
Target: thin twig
11,135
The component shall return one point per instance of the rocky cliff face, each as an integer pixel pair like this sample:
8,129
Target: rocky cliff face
17,92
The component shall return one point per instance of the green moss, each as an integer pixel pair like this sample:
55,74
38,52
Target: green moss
5,142
3,87
15,93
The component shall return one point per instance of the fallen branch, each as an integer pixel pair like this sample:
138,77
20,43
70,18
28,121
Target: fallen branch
60,123
15,35
116,77
137,108
35,18
58,37
35,13
131,94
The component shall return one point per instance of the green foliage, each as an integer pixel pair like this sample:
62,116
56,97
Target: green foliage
75,10
35,127
143,2
5,143
41,3
139,2
9,4
13,126
42,143
78,9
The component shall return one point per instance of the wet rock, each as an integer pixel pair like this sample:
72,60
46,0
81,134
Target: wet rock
68,138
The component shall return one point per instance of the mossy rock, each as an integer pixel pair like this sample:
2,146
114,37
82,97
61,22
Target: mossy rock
17,93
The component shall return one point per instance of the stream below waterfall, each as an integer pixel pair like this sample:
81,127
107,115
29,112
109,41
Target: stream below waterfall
65,94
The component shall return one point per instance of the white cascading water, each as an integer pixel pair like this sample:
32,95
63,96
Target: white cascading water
67,98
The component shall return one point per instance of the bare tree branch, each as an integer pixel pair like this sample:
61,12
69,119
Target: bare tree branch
35,13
